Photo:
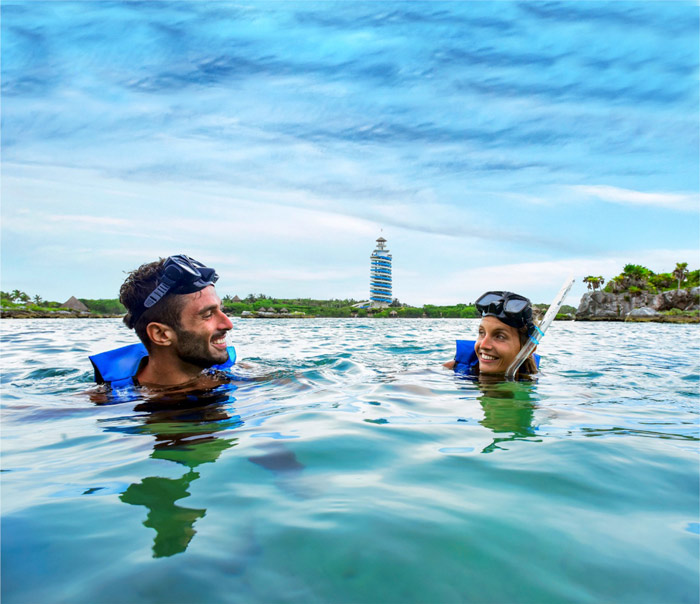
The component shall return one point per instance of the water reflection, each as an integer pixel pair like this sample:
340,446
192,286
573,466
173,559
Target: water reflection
508,411
183,425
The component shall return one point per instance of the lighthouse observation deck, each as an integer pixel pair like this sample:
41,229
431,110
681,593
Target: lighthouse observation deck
380,275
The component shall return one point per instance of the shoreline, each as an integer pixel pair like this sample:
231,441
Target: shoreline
65,314
57,314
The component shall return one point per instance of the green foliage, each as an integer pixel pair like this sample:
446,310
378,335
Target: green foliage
458,311
635,278
675,312
19,296
410,312
344,308
593,282
615,285
680,272
636,271
662,281
19,299
104,306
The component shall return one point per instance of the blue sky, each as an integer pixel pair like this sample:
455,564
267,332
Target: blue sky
499,145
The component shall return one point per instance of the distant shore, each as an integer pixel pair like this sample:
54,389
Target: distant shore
16,313
67,314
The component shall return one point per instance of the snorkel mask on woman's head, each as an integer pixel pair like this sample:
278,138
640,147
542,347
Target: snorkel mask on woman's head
512,309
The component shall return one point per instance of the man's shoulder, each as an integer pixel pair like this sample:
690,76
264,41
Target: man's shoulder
118,364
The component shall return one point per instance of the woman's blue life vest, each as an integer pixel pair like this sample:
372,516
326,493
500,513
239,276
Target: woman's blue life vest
466,360
119,367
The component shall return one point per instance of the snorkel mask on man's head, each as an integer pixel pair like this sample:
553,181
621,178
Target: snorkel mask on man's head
512,309
179,274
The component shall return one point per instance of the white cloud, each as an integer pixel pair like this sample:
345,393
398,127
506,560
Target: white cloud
540,281
676,201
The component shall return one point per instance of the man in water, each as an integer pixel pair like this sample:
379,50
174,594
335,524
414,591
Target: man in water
174,309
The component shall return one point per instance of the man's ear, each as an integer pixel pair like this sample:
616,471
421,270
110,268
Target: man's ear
161,334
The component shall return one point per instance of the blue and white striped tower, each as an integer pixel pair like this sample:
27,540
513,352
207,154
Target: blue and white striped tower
380,276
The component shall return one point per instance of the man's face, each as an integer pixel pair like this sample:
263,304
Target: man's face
201,337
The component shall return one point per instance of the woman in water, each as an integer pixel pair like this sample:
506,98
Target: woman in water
505,327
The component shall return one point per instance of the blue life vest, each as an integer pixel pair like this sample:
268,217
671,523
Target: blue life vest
466,360
119,367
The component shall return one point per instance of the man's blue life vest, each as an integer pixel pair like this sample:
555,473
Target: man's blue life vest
119,367
466,360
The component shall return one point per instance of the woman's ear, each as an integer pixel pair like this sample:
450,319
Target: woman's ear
160,334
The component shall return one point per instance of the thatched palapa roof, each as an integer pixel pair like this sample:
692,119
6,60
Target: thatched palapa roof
74,304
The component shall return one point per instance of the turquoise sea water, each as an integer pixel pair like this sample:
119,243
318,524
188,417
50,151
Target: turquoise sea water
353,468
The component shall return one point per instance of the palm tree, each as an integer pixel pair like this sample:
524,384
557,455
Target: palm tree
17,295
617,284
593,282
38,300
681,272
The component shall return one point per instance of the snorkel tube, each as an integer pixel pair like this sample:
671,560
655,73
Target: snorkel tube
538,331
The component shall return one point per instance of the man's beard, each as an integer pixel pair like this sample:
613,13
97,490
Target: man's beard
195,349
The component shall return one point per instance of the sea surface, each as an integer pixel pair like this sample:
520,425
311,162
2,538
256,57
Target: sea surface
346,465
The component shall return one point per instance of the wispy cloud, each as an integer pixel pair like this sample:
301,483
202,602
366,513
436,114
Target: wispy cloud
687,202
282,136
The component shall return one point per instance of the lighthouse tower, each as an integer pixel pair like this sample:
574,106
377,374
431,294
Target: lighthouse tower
380,276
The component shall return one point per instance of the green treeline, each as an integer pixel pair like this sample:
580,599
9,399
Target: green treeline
636,278
343,308
104,306
20,299
17,299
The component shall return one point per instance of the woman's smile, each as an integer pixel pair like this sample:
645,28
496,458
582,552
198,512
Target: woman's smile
497,345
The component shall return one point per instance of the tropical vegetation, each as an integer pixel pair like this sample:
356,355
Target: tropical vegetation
636,278
20,300
343,308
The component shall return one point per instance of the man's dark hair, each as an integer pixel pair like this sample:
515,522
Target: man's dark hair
137,287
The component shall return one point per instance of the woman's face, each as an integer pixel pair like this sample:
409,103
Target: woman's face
497,345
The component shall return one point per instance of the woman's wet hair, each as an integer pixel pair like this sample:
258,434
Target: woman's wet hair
529,366
136,288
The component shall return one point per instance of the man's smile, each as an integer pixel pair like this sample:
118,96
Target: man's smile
219,341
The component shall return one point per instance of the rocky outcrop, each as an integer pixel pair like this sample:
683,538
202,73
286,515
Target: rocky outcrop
602,306
685,299
644,311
